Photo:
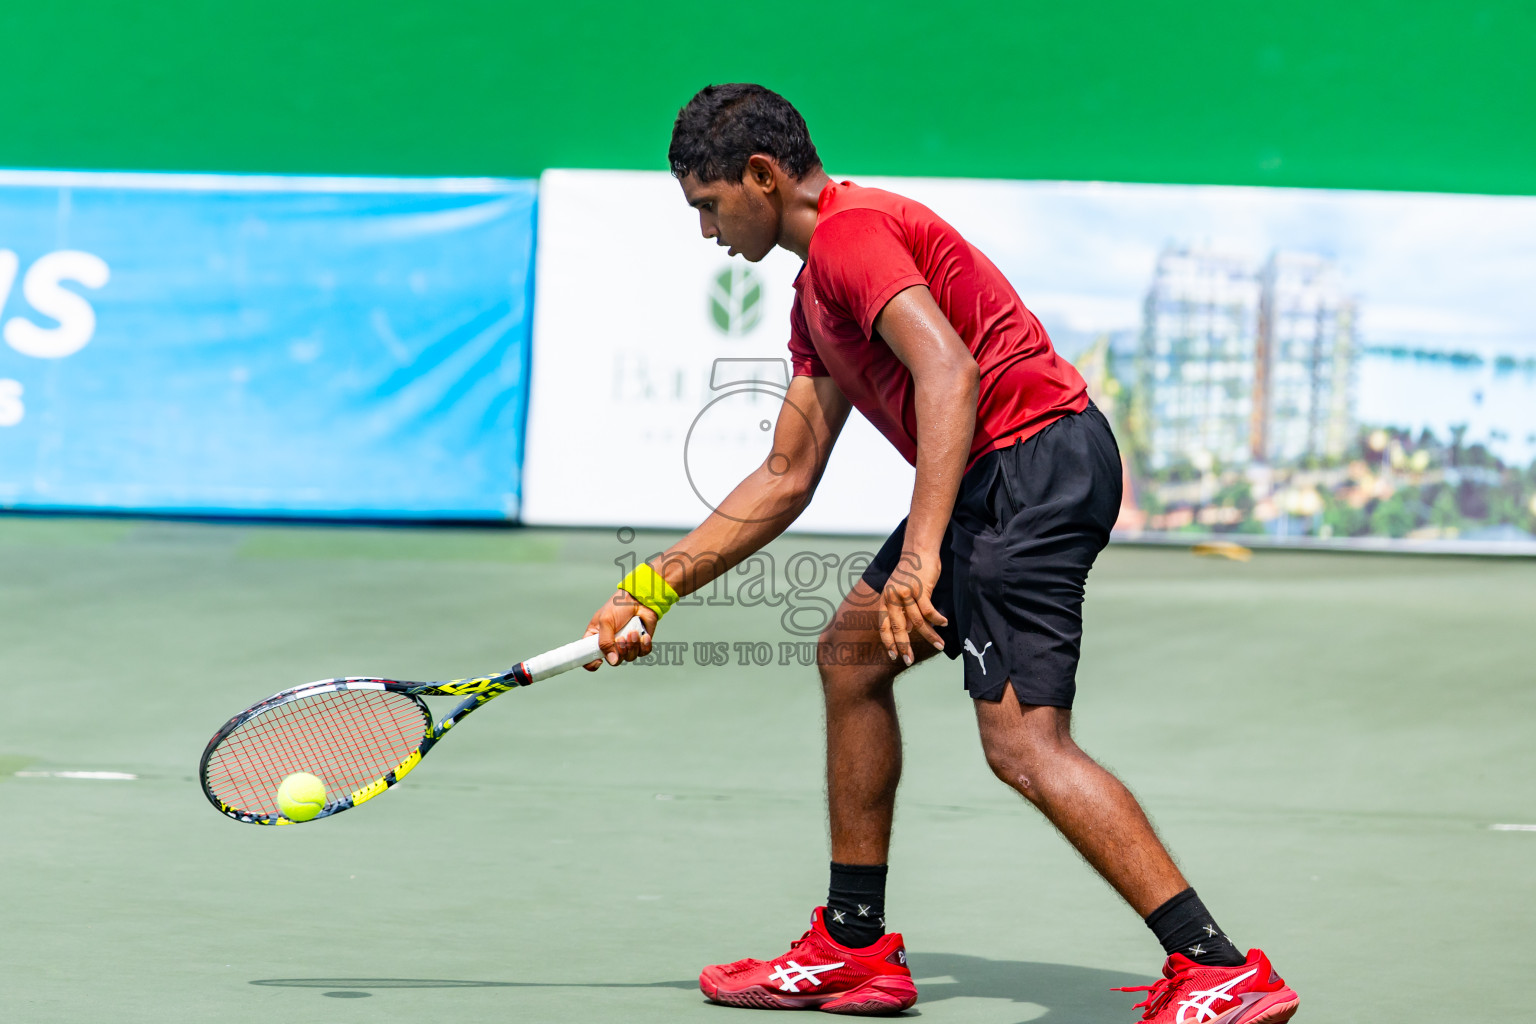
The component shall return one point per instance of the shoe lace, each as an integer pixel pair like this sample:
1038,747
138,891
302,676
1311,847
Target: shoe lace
738,966
1159,994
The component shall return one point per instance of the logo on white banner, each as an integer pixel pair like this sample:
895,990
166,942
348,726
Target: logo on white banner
736,300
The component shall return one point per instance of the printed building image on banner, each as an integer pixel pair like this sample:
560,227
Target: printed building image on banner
1298,365
264,345
1302,366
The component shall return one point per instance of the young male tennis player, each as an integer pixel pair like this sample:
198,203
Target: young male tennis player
1018,484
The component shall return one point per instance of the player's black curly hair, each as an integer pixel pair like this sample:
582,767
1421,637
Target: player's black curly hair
723,125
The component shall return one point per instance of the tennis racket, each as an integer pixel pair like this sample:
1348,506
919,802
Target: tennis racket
359,735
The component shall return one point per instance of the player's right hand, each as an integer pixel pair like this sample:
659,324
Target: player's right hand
610,619
907,606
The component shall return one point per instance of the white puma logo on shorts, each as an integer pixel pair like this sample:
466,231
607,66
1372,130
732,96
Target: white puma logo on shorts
970,648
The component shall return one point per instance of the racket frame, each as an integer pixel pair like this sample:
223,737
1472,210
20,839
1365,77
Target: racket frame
475,691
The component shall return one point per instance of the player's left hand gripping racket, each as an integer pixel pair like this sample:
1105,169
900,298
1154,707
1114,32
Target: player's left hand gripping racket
359,735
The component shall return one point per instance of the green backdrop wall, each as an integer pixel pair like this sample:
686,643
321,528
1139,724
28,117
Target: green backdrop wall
1432,96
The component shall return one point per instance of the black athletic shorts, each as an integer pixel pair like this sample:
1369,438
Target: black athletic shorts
1028,522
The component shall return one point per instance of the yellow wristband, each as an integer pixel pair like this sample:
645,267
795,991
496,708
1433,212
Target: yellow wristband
647,586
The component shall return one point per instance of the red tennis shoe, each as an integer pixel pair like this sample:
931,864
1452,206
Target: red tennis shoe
818,974
1191,993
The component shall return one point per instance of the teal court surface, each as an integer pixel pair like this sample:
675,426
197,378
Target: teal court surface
1328,742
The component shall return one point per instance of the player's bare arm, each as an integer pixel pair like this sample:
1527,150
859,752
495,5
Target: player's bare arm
756,511
945,379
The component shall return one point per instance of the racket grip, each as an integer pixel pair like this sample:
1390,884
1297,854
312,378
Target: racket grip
581,652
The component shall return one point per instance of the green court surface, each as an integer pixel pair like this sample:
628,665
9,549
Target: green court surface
1325,740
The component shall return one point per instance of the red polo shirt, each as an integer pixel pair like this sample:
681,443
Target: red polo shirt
870,244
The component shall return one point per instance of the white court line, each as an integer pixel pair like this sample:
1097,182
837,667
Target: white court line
76,775
1513,828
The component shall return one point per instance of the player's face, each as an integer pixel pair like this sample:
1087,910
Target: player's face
736,215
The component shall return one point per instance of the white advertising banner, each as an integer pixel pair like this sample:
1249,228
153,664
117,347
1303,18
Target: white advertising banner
660,365
1296,366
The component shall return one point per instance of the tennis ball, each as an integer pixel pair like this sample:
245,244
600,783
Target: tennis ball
301,796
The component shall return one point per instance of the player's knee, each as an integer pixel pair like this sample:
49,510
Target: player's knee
1026,764
850,657
1011,769
834,679
846,677
853,681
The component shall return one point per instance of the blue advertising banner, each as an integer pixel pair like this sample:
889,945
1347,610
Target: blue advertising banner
264,345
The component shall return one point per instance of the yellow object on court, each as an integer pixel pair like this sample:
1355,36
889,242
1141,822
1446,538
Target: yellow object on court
1223,549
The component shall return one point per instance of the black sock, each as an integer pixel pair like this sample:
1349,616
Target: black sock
856,904
1183,925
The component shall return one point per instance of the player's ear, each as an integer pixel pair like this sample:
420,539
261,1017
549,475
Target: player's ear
760,172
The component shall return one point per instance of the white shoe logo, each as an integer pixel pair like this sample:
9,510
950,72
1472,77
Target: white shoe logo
790,975
1201,1002
970,648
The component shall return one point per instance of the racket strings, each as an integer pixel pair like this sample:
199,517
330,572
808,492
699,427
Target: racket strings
348,738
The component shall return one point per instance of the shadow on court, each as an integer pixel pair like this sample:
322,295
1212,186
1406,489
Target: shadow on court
358,988
1070,994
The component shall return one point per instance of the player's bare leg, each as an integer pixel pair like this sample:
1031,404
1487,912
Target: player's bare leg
845,962
1030,748
863,735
